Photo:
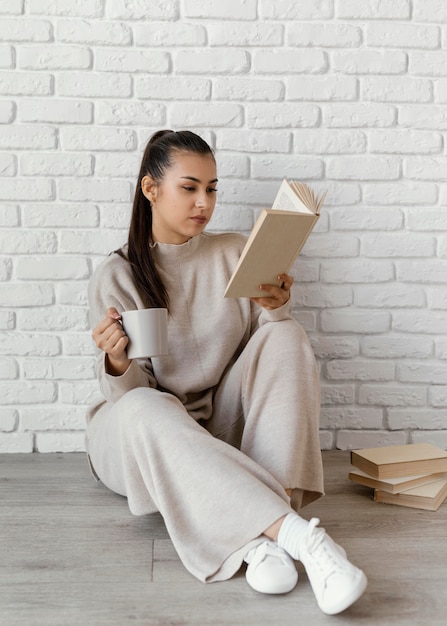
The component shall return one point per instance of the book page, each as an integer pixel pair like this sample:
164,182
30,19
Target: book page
297,197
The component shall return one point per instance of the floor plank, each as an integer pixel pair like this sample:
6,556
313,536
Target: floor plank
71,553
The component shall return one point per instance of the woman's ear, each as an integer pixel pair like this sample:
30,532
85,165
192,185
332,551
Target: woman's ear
149,188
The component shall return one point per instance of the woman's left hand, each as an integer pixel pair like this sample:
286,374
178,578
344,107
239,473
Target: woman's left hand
279,295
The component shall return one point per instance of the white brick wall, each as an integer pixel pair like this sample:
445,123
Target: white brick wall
345,94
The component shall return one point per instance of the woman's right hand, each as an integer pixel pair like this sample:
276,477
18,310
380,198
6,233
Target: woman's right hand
110,337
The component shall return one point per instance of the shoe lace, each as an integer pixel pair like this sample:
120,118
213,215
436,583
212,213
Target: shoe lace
323,556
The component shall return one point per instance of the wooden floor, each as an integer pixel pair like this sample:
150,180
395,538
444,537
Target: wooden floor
72,554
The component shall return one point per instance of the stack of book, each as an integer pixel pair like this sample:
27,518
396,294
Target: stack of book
414,475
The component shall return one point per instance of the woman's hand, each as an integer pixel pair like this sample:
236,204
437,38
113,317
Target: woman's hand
110,337
279,295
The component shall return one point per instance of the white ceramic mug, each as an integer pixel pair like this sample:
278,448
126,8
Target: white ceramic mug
147,330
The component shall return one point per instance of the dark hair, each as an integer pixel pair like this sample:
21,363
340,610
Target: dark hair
157,158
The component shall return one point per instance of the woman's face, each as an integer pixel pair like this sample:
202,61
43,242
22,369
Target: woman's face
183,202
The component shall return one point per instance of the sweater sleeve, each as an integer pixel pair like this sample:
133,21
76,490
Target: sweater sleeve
260,316
112,286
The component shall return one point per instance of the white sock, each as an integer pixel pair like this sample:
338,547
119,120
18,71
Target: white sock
290,534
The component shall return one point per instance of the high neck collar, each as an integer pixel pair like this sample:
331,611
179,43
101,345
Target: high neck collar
175,253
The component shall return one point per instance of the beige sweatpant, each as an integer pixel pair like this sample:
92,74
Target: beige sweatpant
220,483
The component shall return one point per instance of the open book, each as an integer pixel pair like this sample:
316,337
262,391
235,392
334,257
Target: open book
276,240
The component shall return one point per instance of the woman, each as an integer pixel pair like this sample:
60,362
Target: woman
220,436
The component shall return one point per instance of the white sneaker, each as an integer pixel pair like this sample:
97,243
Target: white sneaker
336,583
270,569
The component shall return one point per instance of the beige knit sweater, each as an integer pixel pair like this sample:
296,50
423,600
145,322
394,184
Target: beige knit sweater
206,332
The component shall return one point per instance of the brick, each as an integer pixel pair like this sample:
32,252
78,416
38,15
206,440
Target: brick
405,142
7,111
429,271
55,111
428,372
345,320
60,442
172,88
374,9
8,420
253,192
277,166
429,117
392,395
121,165
142,10
334,246
52,418
72,293
208,114
363,370
426,168
401,193
21,392
428,63
79,190
334,347
441,90
363,168
80,392
325,35
362,271
416,419
164,34
437,297
95,85
82,8
215,9
367,219
442,247
215,61
307,319
15,443
25,84
248,35
7,57
20,241
290,62
396,347
386,296
29,344
438,396
5,268
232,166
11,7
24,189
430,11
231,218
97,32
355,440
54,57
370,62
337,394
359,115
78,344
28,138
56,164
330,141
26,294
441,348
305,270
7,321
326,440
393,245
425,322
59,369
45,268
298,10
19,29
323,296
248,89
250,141
60,215
8,369
284,115
149,62
396,89
101,139
56,318
8,165
400,35
92,242
358,418
130,113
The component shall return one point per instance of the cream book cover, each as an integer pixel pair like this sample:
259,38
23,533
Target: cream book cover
277,237
393,485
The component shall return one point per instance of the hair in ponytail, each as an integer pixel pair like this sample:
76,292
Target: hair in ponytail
157,158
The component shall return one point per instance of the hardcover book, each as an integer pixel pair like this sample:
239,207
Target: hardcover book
398,461
276,240
428,497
